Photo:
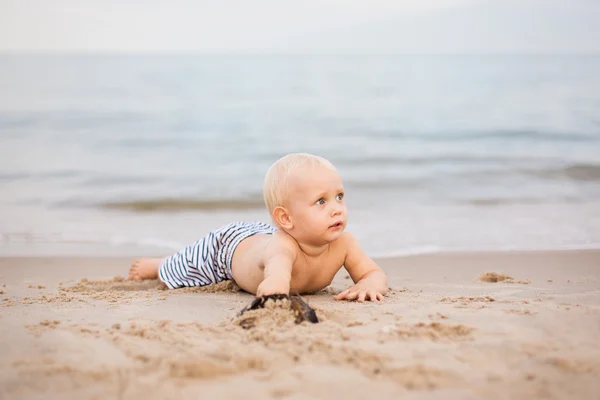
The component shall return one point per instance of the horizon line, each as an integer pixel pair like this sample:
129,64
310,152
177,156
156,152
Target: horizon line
116,52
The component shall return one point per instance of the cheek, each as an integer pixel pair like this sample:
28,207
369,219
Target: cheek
313,215
323,216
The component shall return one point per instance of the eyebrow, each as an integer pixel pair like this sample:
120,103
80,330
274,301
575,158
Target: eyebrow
322,194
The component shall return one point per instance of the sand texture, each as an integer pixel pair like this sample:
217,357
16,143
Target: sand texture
454,326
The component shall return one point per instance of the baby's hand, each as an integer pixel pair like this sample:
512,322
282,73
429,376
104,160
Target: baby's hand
272,286
357,292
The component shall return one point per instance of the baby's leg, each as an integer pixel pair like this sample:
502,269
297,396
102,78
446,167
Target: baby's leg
145,268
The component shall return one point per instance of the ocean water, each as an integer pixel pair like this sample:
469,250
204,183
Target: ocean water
140,154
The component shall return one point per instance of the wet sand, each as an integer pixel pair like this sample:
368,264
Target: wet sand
479,325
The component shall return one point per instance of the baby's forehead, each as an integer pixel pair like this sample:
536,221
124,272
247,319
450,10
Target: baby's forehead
323,178
310,171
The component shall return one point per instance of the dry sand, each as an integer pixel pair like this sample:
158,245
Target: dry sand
483,325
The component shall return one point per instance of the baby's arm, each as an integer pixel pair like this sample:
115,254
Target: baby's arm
279,259
370,281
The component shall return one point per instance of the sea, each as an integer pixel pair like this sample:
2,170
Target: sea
142,154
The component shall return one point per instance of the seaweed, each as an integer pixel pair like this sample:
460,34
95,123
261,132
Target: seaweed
301,309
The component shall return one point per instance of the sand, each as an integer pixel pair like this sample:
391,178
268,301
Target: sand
480,325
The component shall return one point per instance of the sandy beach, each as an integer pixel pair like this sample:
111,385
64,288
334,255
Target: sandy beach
466,326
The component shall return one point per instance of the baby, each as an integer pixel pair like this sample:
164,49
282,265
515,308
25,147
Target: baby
300,254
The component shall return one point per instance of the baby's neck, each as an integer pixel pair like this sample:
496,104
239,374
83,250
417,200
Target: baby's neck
312,250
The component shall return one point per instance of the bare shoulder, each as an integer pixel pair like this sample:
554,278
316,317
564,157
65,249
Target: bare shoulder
356,261
346,242
282,243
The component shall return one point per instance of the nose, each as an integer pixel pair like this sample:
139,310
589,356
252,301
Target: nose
336,209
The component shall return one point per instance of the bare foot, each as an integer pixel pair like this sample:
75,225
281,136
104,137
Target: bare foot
145,268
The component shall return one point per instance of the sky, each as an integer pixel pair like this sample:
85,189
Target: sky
307,26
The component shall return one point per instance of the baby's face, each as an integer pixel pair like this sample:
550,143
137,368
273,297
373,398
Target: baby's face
317,205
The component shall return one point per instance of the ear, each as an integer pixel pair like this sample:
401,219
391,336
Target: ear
283,217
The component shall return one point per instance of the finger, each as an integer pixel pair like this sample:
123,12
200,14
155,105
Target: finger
361,296
352,295
380,297
342,295
372,295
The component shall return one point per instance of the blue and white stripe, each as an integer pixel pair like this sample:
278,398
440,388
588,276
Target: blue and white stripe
208,261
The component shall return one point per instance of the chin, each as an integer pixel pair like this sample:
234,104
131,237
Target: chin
331,236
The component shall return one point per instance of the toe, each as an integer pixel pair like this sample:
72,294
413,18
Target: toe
132,272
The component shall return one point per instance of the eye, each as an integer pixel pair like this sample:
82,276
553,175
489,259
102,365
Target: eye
339,197
321,201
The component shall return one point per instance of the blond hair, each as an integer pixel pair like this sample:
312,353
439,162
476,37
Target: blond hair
275,188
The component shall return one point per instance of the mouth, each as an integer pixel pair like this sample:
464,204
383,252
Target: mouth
337,225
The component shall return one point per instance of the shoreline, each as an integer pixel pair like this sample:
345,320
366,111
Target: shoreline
383,256
497,258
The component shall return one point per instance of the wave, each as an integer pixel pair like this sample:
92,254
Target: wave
456,159
177,205
118,180
162,245
520,134
393,183
87,239
41,175
499,201
9,177
473,167
577,172
446,250
465,136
